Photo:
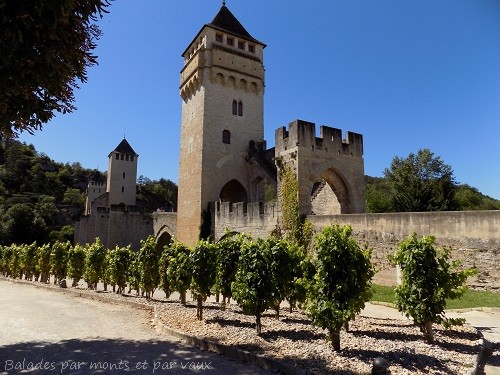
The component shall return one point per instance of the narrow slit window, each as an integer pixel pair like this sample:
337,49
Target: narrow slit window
123,174
240,108
226,136
123,189
235,107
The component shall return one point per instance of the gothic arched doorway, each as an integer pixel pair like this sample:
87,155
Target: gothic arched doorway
233,191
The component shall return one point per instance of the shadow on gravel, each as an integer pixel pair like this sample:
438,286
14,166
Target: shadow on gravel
291,334
230,322
409,361
391,336
103,356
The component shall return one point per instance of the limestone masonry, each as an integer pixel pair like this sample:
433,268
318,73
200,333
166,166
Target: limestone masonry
229,180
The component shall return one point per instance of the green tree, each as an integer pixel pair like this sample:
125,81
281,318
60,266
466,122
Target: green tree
22,226
46,47
421,182
29,261
73,197
94,263
253,287
76,263
149,258
284,267
59,260
179,269
228,254
203,260
163,268
119,261
469,198
302,273
43,256
342,282
428,279
378,195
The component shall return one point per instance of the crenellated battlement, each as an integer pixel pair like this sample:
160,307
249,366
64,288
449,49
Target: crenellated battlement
257,219
303,134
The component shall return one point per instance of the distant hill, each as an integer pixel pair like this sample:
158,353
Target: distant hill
41,199
468,198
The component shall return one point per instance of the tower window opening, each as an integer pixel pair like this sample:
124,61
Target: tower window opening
218,38
235,107
240,108
126,157
241,44
122,156
251,48
226,136
131,157
123,189
230,41
117,156
123,174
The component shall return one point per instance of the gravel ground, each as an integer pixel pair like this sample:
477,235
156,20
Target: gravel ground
295,340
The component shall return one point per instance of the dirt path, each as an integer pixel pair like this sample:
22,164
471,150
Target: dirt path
54,333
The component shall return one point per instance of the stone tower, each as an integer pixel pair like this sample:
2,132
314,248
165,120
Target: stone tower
222,90
122,175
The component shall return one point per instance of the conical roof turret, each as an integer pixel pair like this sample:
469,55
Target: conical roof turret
124,148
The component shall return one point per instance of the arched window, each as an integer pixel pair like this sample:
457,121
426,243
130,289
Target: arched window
235,107
240,108
226,136
123,174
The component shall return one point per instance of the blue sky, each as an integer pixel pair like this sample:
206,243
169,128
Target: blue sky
406,74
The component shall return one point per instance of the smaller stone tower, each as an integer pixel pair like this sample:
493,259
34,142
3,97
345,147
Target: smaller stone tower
122,175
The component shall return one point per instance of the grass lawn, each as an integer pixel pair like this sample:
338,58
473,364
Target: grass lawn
471,298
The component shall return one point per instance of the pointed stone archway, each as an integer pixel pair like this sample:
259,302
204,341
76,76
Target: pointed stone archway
233,191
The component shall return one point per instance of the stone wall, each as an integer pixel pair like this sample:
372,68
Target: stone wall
257,219
473,236
114,227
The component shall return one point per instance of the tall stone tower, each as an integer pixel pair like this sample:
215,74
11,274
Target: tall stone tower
122,175
222,90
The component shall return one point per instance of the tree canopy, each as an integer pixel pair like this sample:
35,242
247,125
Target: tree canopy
46,47
421,182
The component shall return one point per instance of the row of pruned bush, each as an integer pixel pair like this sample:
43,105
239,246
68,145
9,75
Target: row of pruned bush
331,284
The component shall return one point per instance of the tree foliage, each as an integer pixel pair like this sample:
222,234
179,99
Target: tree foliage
421,182
203,263
118,267
59,260
179,269
46,47
76,263
148,258
229,249
94,263
342,282
428,279
253,287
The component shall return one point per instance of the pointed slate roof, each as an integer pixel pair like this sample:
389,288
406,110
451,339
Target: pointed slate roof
124,148
226,21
